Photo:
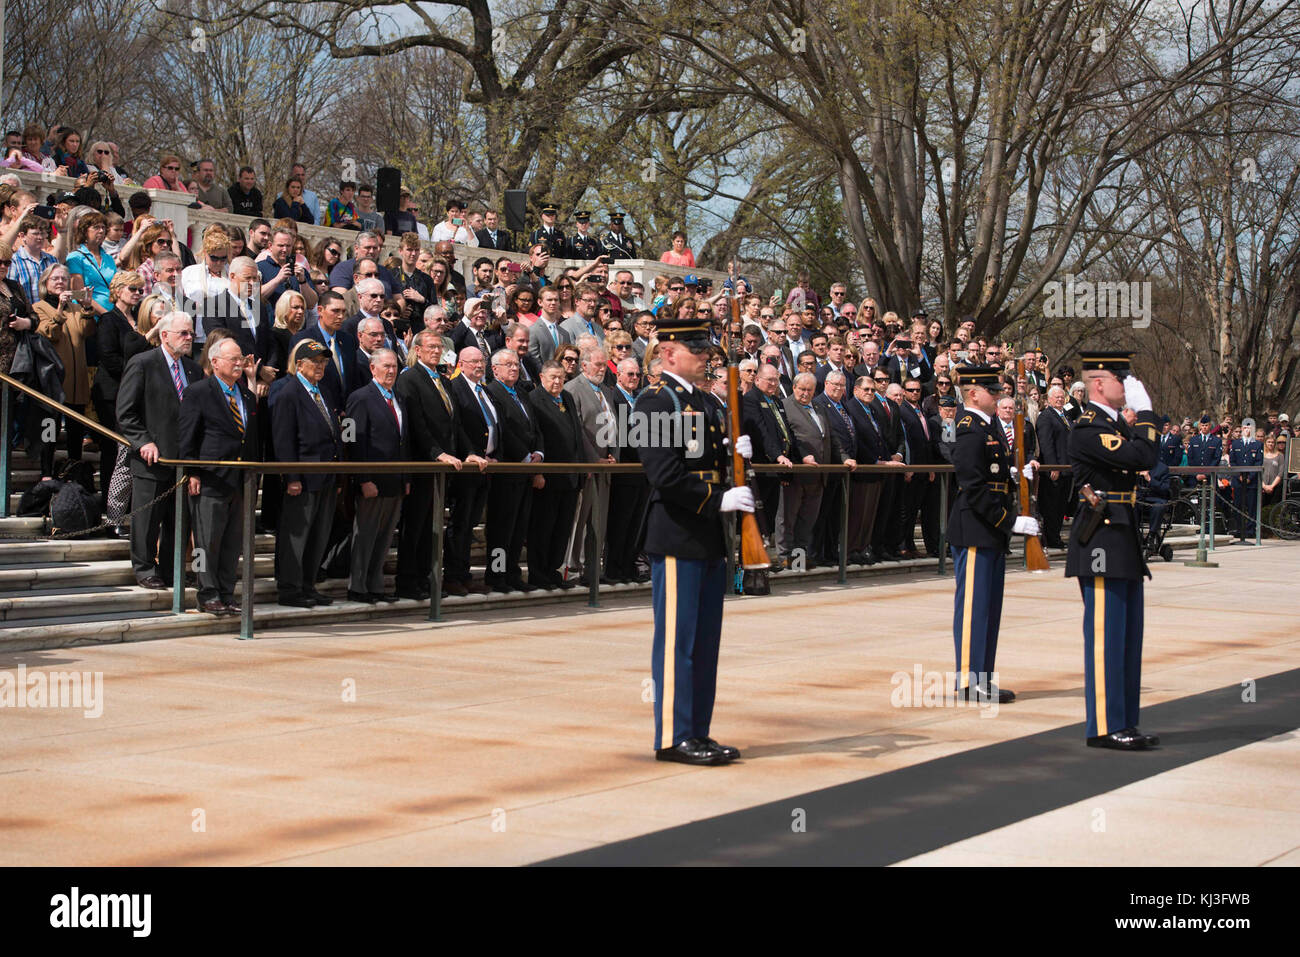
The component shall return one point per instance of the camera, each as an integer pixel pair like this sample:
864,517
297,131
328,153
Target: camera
43,211
103,177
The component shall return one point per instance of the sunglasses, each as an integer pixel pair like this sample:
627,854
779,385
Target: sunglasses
880,378
103,152
217,259
171,167
5,262
569,359
622,346
135,288
911,390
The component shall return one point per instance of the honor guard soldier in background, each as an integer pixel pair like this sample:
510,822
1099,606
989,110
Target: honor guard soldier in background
1105,551
615,242
982,521
685,544
548,232
582,245
1246,450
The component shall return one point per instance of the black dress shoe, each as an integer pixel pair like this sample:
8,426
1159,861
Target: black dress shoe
296,601
518,584
454,588
1151,739
691,751
1129,739
727,750
565,584
233,607
362,596
155,583
380,596
418,594
320,599
213,606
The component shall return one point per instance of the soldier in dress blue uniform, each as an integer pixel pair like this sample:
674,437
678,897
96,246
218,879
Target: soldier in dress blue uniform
615,241
582,245
684,542
1171,451
1204,448
981,523
1105,551
1246,450
548,233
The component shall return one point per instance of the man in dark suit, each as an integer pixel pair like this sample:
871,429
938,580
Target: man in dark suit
835,363
815,444
370,340
370,302
865,487
826,532
148,409
1053,428
555,496
885,534
340,349
481,430
509,500
472,331
492,236
243,313
219,422
435,436
762,418
516,335
380,434
628,494
305,428
921,492
1244,451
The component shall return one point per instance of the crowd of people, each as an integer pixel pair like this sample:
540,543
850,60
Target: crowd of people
258,344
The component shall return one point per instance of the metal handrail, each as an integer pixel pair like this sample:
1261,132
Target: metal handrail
440,471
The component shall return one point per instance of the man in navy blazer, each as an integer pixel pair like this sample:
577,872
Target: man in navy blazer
865,488
480,428
304,428
340,348
826,532
219,421
381,434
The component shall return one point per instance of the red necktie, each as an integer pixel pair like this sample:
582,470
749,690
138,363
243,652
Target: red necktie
393,409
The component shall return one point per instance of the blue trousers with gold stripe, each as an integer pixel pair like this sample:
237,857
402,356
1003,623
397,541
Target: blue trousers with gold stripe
977,610
687,595
1112,648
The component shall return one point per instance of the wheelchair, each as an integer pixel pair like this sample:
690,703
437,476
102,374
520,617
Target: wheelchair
1155,517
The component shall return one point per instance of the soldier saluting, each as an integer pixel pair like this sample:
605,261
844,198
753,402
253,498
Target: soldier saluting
615,241
1105,552
981,523
685,543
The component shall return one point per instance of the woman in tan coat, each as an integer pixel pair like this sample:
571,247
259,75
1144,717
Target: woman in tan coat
66,323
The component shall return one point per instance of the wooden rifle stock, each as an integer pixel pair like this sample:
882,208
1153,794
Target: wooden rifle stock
1035,556
753,554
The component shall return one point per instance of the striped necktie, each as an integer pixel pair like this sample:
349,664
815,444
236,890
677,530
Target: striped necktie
233,398
176,377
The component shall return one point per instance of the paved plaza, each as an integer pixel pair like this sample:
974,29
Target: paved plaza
509,738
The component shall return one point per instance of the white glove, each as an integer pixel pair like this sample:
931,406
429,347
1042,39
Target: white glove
1025,525
737,500
1029,472
1135,395
1015,474
745,446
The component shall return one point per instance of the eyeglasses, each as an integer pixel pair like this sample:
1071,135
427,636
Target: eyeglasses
569,359
103,152
911,390
171,167
187,334
677,288
5,262
135,288
217,259
881,378
622,345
